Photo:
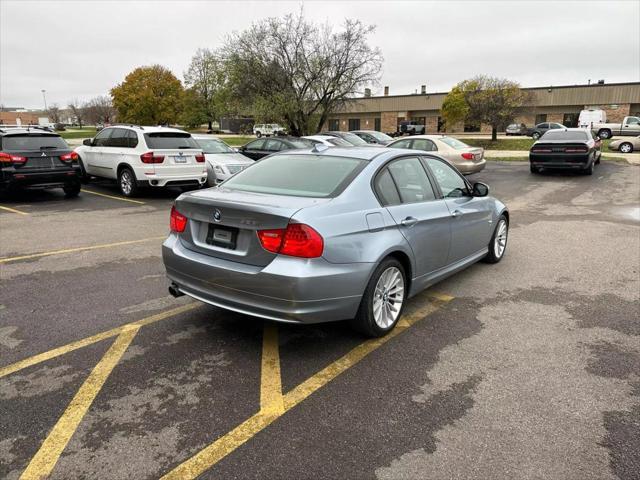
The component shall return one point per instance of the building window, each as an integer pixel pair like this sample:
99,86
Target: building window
377,124
334,124
540,118
570,120
354,124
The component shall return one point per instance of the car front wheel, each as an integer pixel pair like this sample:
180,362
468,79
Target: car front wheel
383,300
498,243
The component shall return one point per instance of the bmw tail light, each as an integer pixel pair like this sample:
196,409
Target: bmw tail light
200,158
297,240
69,157
177,222
467,156
151,157
9,158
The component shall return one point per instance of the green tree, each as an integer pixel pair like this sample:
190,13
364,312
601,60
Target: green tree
149,95
484,99
193,112
293,70
207,78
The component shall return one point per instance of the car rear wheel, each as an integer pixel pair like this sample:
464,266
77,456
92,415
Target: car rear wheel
604,134
626,147
383,300
498,243
71,190
127,182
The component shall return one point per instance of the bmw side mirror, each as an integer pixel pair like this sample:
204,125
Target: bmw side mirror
480,189
87,142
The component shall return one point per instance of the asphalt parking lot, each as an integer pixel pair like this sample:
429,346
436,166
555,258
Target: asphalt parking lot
525,369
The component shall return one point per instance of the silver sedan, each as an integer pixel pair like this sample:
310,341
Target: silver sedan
327,234
625,145
466,159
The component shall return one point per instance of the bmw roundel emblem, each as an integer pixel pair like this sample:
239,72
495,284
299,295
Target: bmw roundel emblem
217,215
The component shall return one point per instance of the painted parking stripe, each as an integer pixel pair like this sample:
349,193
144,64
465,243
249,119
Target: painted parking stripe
216,451
70,347
114,197
77,249
47,456
13,210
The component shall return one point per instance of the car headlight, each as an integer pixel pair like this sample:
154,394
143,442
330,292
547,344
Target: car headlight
219,169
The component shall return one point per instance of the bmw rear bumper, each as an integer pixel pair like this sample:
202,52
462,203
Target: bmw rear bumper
289,289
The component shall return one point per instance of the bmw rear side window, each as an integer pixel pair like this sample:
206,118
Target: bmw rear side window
298,175
33,142
170,140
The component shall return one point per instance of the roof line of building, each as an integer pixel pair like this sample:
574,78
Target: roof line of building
545,87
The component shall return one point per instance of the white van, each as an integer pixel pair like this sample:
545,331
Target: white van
591,116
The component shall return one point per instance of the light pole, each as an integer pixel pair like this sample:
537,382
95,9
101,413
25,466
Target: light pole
45,99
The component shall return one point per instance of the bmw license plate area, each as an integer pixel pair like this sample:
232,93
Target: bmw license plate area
180,159
224,237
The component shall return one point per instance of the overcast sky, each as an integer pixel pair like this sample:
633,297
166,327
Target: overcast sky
79,49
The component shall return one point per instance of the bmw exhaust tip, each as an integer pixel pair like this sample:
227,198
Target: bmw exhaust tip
175,291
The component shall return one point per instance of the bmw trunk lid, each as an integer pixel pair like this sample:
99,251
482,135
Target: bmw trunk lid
223,223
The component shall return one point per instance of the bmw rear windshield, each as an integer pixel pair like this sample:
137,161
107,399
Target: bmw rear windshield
29,142
307,175
170,140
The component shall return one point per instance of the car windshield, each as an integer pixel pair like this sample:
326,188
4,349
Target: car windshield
298,175
213,145
353,139
454,143
162,140
566,135
380,136
33,142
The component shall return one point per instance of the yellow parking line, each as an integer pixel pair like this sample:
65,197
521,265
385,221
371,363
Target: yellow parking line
77,249
13,210
271,400
216,451
56,352
47,456
112,196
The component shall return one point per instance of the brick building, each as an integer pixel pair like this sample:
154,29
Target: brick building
19,118
560,104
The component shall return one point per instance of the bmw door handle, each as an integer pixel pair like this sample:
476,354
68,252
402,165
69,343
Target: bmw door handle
456,213
409,222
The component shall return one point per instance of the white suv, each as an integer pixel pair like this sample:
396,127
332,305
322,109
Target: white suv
267,129
143,156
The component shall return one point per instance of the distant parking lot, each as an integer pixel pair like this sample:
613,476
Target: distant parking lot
526,369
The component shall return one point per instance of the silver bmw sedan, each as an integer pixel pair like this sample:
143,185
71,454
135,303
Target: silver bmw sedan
328,234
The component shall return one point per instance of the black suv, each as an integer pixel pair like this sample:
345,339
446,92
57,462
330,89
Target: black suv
34,157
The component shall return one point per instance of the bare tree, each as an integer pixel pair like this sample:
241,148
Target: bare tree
292,69
78,110
53,113
100,110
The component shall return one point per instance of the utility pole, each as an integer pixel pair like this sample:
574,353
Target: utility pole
45,99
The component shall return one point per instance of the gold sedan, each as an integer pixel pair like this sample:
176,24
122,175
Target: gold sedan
625,145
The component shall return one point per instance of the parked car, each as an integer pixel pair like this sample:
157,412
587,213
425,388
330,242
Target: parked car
410,127
344,233
629,126
591,116
465,158
542,128
625,145
267,129
222,161
143,157
327,140
34,157
372,136
516,129
266,146
568,149
352,138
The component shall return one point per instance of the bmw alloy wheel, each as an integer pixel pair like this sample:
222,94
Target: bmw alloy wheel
126,182
500,242
388,297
